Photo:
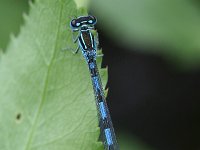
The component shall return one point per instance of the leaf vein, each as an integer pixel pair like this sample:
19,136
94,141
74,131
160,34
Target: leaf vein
45,85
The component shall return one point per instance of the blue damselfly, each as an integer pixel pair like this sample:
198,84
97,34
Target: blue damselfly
88,45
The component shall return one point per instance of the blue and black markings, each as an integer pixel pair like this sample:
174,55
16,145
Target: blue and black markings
108,136
96,82
103,110
87,44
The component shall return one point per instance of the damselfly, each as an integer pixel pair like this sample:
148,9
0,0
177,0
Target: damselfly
88,45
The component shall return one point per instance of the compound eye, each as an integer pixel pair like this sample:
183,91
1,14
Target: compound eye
73,23
92,20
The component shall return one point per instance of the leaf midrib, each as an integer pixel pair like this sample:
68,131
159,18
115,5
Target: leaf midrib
43,97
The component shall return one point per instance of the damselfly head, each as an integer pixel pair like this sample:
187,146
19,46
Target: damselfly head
83,21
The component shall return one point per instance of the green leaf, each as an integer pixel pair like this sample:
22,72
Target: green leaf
82,3
173,26
46,95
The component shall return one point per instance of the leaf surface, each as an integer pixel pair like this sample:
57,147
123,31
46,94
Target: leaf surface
46,95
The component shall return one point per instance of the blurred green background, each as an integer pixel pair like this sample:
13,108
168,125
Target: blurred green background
11,19
171,28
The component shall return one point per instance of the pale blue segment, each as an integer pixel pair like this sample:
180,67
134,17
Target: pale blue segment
103,111
96,82
108,136
92,66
